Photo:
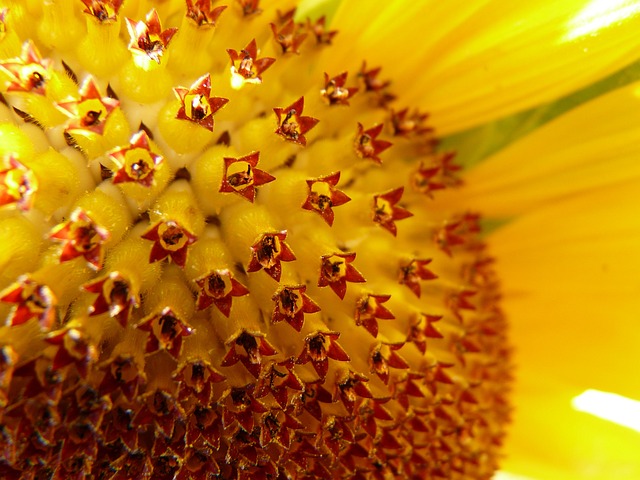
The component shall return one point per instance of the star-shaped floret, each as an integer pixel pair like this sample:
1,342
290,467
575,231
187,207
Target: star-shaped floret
90,112
203,13
103,10
372,83
18,184
170,240
383,356
205,422
457,232
242,177
350,387
289,37
81,237
336,270
115,296
250,7
246,67
73,348
31,300
147,39
218,287
291,303
421,328
160,409
29,73
136,162
277,379
314,394
196,378
323,195
457,301
319,347
412,272
366,144
197,104
165,332
239,404
369,309
435,374
277,427
122,373
248,348
319,30
435,174
335,92
409,124
386,213
292,126
370,78
268,252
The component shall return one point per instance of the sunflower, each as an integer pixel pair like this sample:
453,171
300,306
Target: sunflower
233,246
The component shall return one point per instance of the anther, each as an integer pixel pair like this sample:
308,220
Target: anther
248,348
289,37
90,112
29,73
438,173
335,92
31,300
246,67
170,240
73,348
409,124
165,332
268,252
115,296
319,348
197,104
18,184
250,7
336,270
412,272
291,303
422,328
386,213
147,39
292,126
323,195
218,288
81,237
203,13
103,10
319,30
369,309
242,177
366,144
137,162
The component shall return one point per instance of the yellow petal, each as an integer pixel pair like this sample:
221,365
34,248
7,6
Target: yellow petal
572,288
481,60
595,145
552,441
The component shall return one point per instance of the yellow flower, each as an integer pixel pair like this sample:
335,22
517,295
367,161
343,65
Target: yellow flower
227,250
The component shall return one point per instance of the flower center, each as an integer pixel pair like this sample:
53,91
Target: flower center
249,270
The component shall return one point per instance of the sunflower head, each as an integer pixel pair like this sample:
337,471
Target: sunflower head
220,257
